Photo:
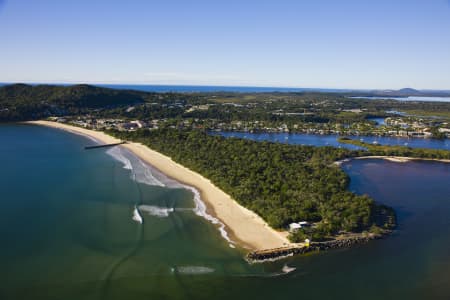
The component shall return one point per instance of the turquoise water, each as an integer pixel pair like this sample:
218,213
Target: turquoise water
67,232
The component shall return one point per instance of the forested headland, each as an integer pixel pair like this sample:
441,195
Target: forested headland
282,183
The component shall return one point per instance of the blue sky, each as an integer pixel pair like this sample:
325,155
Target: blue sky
320,43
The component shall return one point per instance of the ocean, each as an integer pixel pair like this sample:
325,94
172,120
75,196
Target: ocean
242,89
202,88
217,88
67,232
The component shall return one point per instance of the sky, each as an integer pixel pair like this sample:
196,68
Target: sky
357,44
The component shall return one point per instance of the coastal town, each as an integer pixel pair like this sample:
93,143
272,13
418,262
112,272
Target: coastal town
307,113
408,127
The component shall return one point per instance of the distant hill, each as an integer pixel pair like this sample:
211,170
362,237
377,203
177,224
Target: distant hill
77,95
401,92
22,101
408,91
405,92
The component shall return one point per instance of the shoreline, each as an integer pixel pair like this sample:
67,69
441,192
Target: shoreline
339,243
244,226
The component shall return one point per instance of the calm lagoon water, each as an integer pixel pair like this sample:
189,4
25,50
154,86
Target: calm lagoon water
332,140
67,232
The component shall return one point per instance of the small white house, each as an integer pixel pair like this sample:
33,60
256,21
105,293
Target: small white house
296,226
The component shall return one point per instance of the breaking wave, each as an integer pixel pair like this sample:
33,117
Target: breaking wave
200,210
137,215
140,171
144,173
116,153
156,211
286,269
90,138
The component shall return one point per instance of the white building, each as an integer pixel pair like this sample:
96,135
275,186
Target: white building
296,226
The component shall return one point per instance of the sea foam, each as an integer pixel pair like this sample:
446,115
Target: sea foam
140,171
193,270
144,173
286,269
116,153
156,211
137,216
200,210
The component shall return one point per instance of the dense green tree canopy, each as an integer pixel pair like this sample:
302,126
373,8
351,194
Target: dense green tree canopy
282,183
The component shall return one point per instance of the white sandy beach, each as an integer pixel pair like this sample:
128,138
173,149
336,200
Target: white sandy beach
244,226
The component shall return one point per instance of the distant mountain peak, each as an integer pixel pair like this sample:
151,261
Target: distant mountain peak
399,93
408,90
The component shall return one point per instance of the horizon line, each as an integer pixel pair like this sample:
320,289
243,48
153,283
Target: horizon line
210,85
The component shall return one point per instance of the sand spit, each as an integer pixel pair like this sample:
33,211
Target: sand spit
398,159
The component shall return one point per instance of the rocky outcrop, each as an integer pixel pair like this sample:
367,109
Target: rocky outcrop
278,253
